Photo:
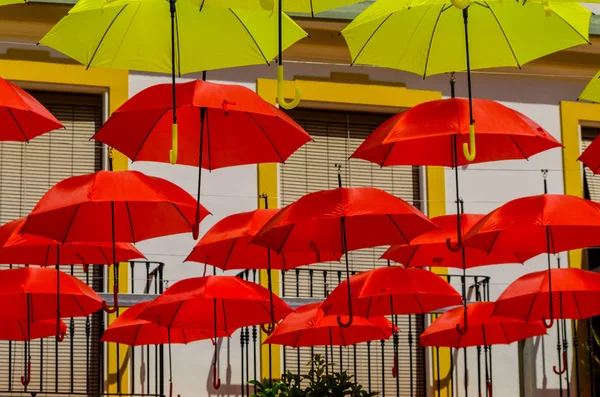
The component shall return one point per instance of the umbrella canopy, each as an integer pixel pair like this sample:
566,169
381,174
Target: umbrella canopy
227,246
19,248
136,35
549,223
575,293
428,133
136,206
321,219
392,290
17,329
38,287
22,117
427,37
591,91
590,156
308,326
484,329
129,330
239,127
431,249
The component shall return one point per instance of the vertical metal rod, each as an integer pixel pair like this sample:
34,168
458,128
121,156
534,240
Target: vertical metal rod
354,362
242,337
369,365
255,340
161,350
466,372
576,349
451,373
590,358
382,368
410,354
479,369
41,364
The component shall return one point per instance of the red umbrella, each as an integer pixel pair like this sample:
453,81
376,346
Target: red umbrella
308,326
220,303
430,249
109,206
548,223
485,330
343,220
590,156
21,330
22,117
30,294
428,133
227,246
29,249
129,330
219,126
392,290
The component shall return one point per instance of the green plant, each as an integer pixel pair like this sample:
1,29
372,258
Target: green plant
321,381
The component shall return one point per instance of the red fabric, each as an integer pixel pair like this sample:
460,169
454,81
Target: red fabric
430,249
423,135
17,330
22,117
127,329
527,298
18,248
308,326
227,246
189,303
76,298
524,224
372,218
591,156
79,208
483,328
240,127
412,291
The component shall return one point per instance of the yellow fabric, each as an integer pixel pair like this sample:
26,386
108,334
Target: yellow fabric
136,35
296,6
7,2
427,37
592,90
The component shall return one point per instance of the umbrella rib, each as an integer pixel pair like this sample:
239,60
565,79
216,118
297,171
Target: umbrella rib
149,132
577,305
532,304
71,223
251,36
493,242
431,40
130,222
295,345
104,35
23,334
571,26
17,123
137,332
124,34
104,256
79,304
181,213
387,154
229,254
505,333
419,302
398,227
175,315
518,147
266,136
505,37
370,37
412,255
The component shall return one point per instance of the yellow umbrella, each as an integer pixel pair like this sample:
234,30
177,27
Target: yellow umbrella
179,37
437,36
591,91
8,2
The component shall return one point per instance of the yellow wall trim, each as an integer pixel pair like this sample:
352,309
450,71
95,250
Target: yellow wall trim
345,95
76,78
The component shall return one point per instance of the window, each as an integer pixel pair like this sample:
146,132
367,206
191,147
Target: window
313,167
591,190
27,171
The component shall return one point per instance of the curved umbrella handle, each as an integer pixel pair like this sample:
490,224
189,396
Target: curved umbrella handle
564,368
459,240
463,331
60,336
216,379
280,96
469,149
268,329
107,308
27,378
548,325
196,228
350,316
174,145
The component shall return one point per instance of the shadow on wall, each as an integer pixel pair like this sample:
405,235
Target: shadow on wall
227,389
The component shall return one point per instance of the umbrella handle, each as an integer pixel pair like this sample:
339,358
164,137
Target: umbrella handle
463,331
548,325
60,336
489,384
174,145
454,247
280,95
107,308
216,379
395,367
350,317
170,388
469,148
564,368
267,329
25,379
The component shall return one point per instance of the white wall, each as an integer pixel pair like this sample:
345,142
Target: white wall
483,187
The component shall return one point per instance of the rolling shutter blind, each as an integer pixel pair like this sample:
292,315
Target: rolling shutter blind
27,171
592,181
313,167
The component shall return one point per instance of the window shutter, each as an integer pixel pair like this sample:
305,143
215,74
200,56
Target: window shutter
27,171
336,136
592,181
